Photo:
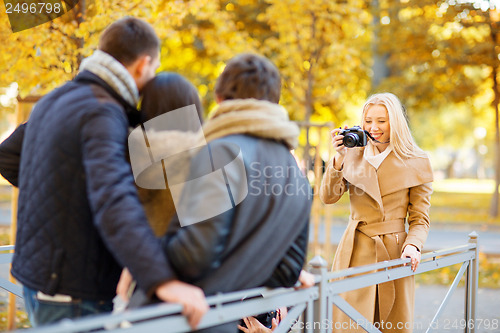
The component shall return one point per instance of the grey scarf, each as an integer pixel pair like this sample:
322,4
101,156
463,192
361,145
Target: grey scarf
113,73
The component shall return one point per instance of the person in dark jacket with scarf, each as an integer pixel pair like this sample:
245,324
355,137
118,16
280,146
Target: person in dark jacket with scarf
242,214
79,217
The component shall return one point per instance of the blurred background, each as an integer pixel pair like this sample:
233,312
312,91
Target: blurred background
441,58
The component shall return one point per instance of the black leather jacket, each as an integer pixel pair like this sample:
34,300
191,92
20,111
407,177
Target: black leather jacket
262,241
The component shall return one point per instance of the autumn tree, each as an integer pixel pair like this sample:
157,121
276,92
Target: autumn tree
45,56
322,50
439,55
201,42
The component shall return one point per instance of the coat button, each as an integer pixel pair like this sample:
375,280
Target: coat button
53,276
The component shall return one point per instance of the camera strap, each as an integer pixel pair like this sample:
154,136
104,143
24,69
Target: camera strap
373,139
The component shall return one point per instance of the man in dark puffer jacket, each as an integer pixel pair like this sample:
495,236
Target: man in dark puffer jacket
79,218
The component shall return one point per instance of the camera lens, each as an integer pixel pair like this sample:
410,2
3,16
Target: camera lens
350,140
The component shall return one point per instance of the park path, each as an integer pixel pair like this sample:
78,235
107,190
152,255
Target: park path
429,297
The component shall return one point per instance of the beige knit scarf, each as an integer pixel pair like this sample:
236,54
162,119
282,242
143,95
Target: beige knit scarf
113,73
253,117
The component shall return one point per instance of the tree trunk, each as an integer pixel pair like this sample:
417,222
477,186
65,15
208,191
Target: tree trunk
379,67
80,42
494,199
496,100
307,119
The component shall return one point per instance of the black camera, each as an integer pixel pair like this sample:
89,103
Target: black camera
265,319
354,137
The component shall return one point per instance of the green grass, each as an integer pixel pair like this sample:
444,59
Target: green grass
489,274
22,320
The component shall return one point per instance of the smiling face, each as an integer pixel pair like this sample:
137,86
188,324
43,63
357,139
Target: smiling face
376,122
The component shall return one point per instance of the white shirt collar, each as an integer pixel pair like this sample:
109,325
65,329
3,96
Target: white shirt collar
373,156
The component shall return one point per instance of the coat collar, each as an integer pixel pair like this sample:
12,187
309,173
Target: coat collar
392,175
362,174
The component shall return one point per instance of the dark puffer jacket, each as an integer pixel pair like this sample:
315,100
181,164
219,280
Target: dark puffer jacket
79,218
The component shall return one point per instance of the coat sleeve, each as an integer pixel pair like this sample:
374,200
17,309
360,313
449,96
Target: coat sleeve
118,214
288,270
418,215
10,155
195,248
333,185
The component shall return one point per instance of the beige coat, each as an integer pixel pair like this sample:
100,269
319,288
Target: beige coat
381,201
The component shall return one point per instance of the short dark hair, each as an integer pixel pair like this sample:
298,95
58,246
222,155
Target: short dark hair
249,76
129,38
167,92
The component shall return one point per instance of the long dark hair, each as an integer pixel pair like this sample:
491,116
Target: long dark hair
167,92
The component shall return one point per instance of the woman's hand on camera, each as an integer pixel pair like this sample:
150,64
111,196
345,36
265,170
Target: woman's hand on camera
338,145
410,251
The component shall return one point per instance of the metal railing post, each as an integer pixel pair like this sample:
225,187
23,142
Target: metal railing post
471,286
318,267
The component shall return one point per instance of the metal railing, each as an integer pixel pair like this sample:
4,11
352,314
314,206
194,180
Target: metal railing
310,310
6,254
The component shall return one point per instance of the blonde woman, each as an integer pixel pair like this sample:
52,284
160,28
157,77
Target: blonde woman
389,185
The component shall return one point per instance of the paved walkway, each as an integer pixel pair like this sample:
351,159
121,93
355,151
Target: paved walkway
429,298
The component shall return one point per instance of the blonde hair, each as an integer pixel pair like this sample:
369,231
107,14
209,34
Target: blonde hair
401,140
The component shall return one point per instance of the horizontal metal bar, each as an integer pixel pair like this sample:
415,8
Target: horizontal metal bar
444,252
157,317
390,264
229,313
11,287
356,282
161,310
6,258
109,320
6,248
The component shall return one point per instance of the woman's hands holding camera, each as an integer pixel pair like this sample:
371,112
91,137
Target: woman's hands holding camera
254,326
338,160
